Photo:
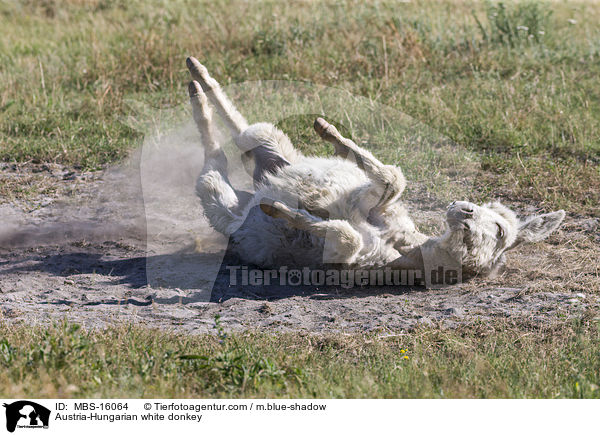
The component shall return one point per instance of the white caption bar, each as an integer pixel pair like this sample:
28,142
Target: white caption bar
266,416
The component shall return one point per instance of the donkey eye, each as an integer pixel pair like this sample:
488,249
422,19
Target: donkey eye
500,233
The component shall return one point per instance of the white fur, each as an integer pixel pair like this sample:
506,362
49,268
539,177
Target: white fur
312,211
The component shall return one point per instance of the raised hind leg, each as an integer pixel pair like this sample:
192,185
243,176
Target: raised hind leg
214,157
219,200
226,110
263,143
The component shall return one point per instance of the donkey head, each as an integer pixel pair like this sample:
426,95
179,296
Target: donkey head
478,236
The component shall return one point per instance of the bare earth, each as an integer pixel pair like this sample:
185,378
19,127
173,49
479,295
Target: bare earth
131,245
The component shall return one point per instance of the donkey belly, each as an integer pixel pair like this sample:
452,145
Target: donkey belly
316,184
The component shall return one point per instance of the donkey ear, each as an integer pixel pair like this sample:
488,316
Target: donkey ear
536,228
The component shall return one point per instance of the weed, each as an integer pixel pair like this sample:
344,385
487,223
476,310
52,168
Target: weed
516,23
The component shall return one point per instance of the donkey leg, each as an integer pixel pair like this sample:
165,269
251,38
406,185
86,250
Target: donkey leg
219,200
342,241
214,157
233,119
389,182
268,146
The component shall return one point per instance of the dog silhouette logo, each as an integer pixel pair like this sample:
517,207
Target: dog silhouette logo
26,414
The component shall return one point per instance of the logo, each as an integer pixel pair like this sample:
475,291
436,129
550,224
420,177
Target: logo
26,414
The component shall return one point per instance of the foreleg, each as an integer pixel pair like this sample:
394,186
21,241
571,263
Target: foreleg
342,241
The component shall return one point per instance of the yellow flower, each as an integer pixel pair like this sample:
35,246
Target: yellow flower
405,357
402,350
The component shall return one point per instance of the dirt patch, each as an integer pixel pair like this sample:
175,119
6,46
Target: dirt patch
109,247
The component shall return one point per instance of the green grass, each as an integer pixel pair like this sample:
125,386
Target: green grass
516,84
478,360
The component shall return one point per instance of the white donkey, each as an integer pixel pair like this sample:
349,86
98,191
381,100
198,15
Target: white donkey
344,210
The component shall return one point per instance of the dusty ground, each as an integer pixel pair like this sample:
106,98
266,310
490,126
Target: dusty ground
130,244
